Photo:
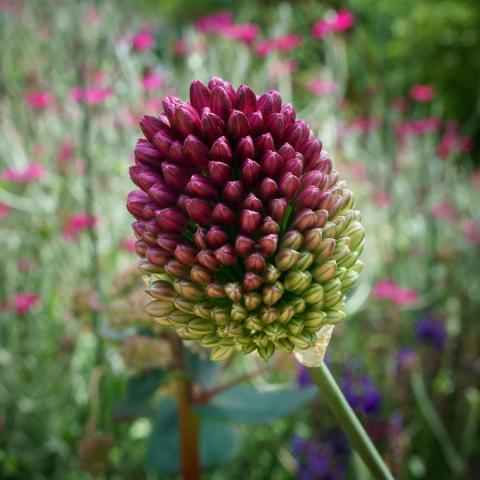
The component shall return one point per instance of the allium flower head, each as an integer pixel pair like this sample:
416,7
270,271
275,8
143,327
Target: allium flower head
246,236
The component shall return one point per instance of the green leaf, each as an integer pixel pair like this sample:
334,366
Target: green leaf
218,442
140,389
243,403
202,369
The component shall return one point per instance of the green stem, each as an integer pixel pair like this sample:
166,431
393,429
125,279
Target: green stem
349,422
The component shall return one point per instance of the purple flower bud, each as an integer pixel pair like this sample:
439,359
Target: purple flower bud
220,102
250,172
256,122
148,211
200,238
255,262
221,151
153,226
146,154
219,172
140,248
275,124
162,195
150,125
138,228
263,143
251,281
216,237
157,256
168,241
269,226
245,99
207,259
187,120
185,253
176,269
199,210
277,208
202,187
199,95
325,200
335,205
237,125
296,134
217,81
212,125
294,165
175,176
322,217
175,155
309,197
287,151
249,221
304,220
288,185
323,164
244,245
201,275
269,102
233,192
268,244
272,163
332,179
196,152
311,151
170,104
215,290
181,202
143,177
245,149
267,189
163,143
288,113
150,238
225,255
171,219
252,202
136,201
223,214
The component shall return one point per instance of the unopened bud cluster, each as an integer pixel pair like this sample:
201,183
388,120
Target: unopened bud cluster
247,238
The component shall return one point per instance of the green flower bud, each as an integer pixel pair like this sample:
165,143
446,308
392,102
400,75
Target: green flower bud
292,239
332,286
252,300
332,299
271,274
286,344
161,290
314,319
158,308
329,230
286,258
244,339
188,290
179,318
298,304
274,331
325,250
221,353
254,323
297,282
313,238
304,261
271,294
269,314
349,260
220,315
356,232
203,310
200,327
267,351
146,267
334,316
325,272
238,312
340,223
183,305
340,254
357,266
210,341
162,321
349,279
233,291
260,339
300,341
295,326
246,349
229,330
314,294
341,271
287,312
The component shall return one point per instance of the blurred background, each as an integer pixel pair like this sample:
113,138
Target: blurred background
391,88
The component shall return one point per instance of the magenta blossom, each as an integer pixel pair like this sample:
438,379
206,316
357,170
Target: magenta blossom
390,290
23,302
382,199
452,142
214,22
40,100
180,47
444,211
4,210
422,93
340,22
365,124
285,43
128,244
33,171
77,223
471,231
91,96
322,87
245,33
143,40
400,104
418,127
153,81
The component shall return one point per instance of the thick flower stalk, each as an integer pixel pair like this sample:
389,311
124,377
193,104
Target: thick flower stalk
247,238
